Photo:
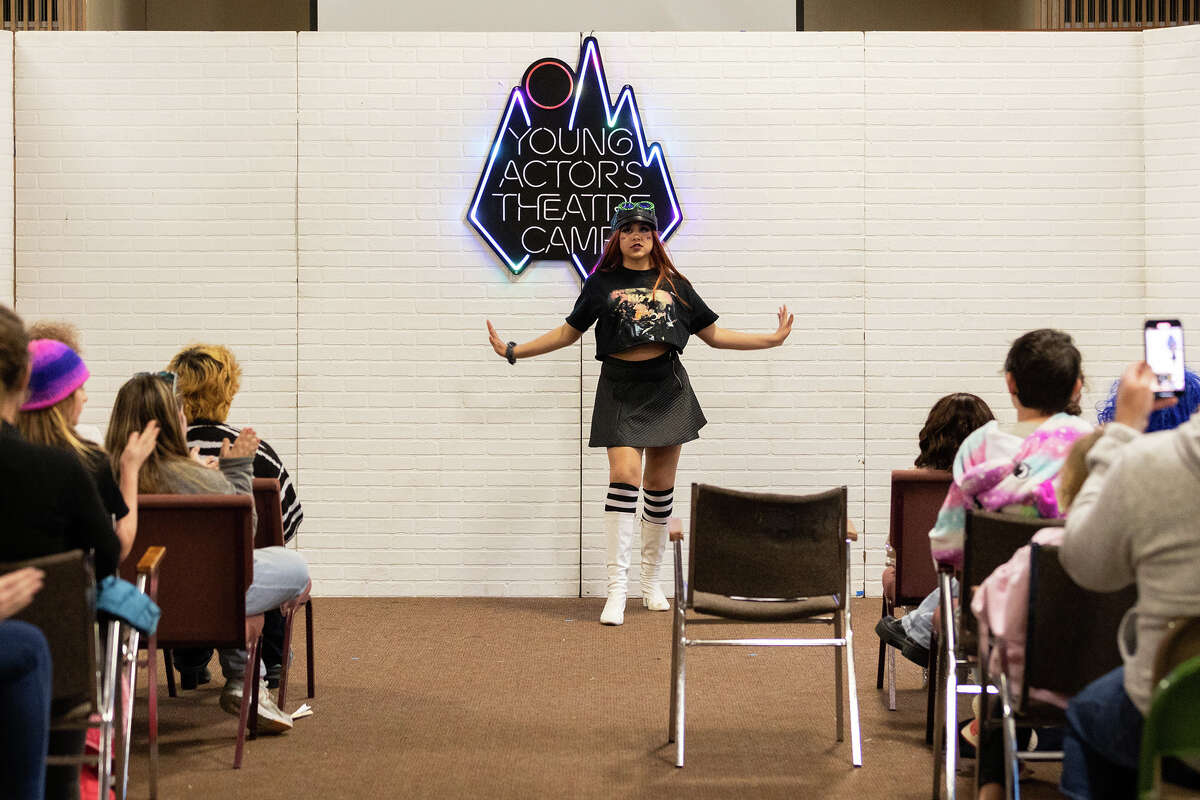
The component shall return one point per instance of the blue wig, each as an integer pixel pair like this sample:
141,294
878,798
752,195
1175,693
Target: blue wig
1165,418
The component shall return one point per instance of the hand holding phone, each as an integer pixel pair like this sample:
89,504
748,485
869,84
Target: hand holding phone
1164,354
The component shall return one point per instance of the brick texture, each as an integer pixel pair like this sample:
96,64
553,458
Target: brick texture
918,199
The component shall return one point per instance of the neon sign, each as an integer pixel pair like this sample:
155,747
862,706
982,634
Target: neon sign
563,157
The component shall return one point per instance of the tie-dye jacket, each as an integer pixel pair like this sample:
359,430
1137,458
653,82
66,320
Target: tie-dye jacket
998,471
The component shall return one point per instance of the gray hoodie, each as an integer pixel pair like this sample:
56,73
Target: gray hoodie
236,476
1137,519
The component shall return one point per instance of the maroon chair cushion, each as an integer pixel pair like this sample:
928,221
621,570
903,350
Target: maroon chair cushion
917,495
209,565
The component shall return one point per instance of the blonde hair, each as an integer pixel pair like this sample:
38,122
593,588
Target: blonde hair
1075,469
49,426
209,377
59,331
141,399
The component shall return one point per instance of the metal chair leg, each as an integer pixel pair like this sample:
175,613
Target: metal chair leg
680,699
127,685
937,730
678,656
855,728
311,664
932,681
839,632
1012,767
891,671
152,710
287,657
108,706
674,670
950,713
882,647
249,679
169,665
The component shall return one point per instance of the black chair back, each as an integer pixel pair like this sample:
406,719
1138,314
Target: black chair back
65,611
767,546
1071,634
989,540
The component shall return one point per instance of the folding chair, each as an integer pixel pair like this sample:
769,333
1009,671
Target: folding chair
148,567
1171,727
989,540
202,590
917,494
83,684
1070,641
270,534
764,558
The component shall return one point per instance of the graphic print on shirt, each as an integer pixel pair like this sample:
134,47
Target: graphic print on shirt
644,313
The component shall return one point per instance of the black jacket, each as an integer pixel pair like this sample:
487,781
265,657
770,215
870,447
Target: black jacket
49,504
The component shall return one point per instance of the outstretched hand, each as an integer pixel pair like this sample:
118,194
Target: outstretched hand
785,326
498,344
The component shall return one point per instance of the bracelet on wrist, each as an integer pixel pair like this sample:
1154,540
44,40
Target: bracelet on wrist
510,352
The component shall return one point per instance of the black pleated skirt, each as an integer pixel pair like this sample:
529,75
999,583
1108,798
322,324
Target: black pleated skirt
645,404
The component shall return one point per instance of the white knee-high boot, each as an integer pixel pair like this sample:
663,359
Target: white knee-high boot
618,536
654,548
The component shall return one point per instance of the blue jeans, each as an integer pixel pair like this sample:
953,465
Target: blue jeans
1102,742
280,575
918,623
24,709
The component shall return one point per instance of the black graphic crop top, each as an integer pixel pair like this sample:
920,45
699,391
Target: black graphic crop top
628,311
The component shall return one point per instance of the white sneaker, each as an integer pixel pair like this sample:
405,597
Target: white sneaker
271,719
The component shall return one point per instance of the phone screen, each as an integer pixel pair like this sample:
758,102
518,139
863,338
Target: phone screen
1164,354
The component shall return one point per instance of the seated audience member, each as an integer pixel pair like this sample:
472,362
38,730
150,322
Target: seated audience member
50,504
1134,521
24,691
1001,603
209,378
1007,468
948,423
68,334
49,415
280,575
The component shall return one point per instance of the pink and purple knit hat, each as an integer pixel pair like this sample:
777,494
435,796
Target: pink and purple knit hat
57,371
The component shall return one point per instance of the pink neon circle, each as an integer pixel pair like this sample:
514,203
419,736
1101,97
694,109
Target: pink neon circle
570,78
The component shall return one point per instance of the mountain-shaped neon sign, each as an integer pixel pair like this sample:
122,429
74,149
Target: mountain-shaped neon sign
563,157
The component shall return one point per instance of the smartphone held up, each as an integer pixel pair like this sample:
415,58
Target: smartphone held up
1164,354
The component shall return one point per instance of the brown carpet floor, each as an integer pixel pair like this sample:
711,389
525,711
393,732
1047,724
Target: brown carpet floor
523,698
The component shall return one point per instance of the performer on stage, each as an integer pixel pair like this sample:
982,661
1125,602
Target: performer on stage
644,311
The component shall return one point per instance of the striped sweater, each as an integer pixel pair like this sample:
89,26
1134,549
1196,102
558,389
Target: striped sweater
995,470
207,436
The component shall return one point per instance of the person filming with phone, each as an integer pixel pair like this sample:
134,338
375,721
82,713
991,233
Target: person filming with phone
1133,522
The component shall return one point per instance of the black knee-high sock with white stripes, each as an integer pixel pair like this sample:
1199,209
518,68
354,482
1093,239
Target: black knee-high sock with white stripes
657,504
621,497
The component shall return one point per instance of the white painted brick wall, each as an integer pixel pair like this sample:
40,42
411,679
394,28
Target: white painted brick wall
1004,193
156,205
430,465
7,269
1172,136
918,200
